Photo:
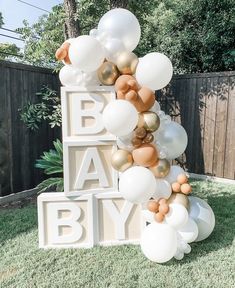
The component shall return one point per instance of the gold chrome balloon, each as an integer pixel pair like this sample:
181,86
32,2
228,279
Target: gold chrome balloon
121,160
179,198
127,63
161,168
149,120
108,73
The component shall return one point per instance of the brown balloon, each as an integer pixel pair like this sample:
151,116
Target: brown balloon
186,188
161,168
164,208
159,217
153,206
108,73
136,142
121,160
146,99
127,63
176,187
140,132
149,120
182,178
148,138
146,155
63,53
178,198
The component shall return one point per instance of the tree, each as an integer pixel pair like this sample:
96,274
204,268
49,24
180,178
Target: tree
9,51
71,25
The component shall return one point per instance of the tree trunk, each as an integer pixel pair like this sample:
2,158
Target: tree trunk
118,4
71,26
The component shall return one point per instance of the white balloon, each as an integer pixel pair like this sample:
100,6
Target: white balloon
86,53
177,216
154,71
113,48
156,107
159,242
148,215
93,32
203,215
179,255
137,184
121,24
175,171
174,138
163,189
125,143
120,117
69,76
189,232
90,79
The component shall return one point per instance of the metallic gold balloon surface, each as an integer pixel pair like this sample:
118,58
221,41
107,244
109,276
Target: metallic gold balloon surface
179,198
127,63
108,73
149,120
161,168
121,160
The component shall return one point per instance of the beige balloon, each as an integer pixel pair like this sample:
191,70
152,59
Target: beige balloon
161,168
149,120
127,63
178,198
108,73
121,160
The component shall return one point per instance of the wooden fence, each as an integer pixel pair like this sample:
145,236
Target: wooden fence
19,147
203,103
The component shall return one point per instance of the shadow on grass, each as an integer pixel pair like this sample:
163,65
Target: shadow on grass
16,221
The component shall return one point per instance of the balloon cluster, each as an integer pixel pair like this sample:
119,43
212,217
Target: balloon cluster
147,139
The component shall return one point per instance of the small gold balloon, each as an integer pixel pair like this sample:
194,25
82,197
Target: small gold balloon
108,73
127,63
161,168
121,160
149,120
179,198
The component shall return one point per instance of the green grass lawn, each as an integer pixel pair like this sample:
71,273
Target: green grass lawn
210,264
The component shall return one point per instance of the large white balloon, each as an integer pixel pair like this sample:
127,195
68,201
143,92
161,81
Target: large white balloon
86,53
154,71
113,48
175,171
203,215
189,232
159,242
173,138
121,24
137,184
120,117
163,189
69,76
177,216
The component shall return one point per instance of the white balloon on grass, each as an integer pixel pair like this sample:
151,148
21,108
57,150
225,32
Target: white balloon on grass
189,232
154,71
173,138
113,48
177,216
159,242
120,117
121,24
203,215
93,32
163,189
137,184
69,76
86,53
175,171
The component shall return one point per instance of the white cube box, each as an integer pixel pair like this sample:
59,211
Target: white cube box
87,167
82,112
85,221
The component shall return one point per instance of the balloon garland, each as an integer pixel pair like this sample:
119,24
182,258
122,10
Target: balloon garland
146,137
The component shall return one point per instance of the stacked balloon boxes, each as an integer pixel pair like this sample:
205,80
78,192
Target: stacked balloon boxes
119,184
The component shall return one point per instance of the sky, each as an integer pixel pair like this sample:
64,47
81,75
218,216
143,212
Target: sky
14,12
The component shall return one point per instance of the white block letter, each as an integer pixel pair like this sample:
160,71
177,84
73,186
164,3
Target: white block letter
119,218
91,154
71,221
95,112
